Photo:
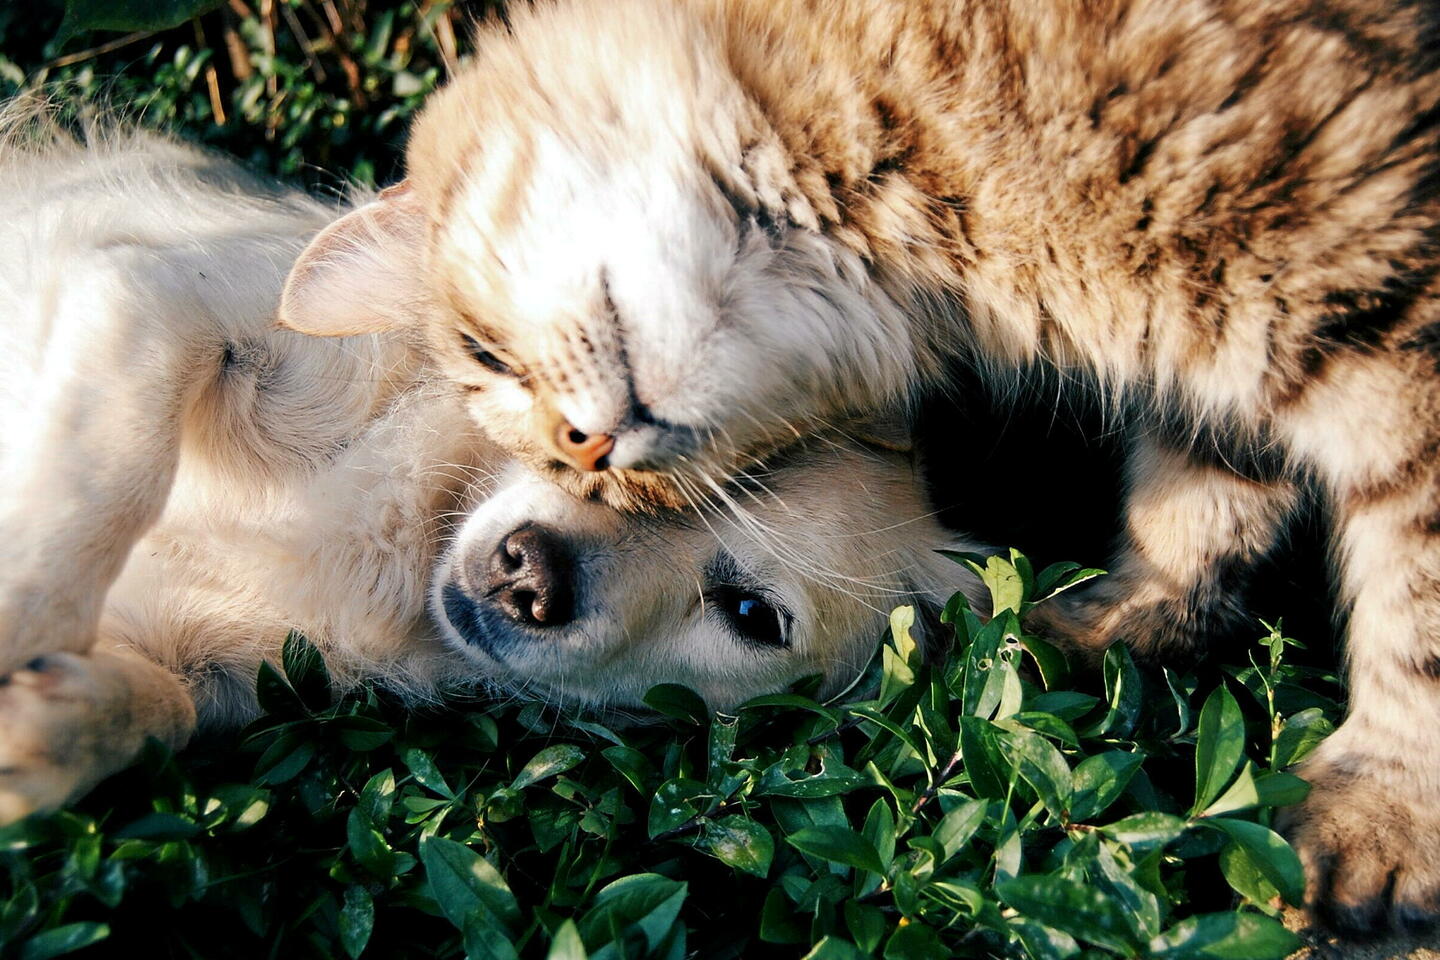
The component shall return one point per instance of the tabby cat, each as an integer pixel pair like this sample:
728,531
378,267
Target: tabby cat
663,239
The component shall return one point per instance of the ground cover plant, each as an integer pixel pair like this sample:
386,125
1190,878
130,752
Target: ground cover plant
989,806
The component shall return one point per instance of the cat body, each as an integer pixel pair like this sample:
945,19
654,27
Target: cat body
746,220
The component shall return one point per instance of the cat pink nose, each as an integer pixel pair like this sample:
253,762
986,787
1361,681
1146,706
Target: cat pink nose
584,451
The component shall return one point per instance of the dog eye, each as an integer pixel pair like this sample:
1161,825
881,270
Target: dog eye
753,618
484,357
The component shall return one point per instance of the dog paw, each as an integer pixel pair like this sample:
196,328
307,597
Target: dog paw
1369,839
57,735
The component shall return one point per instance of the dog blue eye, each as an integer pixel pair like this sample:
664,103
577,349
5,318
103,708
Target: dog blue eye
753,618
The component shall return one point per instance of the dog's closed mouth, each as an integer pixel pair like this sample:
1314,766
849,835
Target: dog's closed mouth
466,616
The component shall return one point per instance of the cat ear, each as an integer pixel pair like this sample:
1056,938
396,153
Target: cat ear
362,273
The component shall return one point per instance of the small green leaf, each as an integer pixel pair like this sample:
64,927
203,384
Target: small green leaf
550,762
1266,790
1146,831
1270,855
1068,705
646,901
61,940
566,944
1301,734
423,769
1124,694
128,15
833,948
675,803
914,941
838,845
1099,780
305,670
677,702
1225,936
1042,766
462,881
1219,746
356,920
367,845
959,825
633,765
741,843
1076,908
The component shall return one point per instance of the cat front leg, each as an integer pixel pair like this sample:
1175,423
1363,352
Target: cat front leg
1369,833
67,721
1193,530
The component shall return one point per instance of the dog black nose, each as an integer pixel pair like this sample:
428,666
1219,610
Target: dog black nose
528,577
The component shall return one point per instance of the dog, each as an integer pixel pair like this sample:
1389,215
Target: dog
184,483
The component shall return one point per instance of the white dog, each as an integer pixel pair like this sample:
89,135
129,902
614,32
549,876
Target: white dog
183,483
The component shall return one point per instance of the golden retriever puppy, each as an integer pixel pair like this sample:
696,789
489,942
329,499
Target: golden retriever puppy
184,483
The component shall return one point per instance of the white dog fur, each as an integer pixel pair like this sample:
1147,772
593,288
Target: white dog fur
183,483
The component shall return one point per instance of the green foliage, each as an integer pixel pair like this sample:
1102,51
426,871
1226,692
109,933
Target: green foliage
968,809
318,89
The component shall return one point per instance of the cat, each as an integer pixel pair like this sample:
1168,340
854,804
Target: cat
662,239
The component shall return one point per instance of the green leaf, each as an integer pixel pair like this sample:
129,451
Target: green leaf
1042,766
675,804
1225,936
423,769
566,944
1269,854
158,826
128,15
284,759
833,948
1245,877
1219,746
959,825
1267,790
1054,668
1146,831
356,920
1076,908
646,901
677,702
866,924
550,762
1042,942
61,940
898,658
1124,694
1301,734
1059,577
741,843
274,693
838,845
1098,782
484,939
914,941
633,765
1068,705
984,763
305,669
778,923
367,845
462,881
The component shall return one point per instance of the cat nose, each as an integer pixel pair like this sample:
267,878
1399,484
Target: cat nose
584,451
528,577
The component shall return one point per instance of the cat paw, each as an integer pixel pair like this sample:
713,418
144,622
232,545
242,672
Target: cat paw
1369,840
53,733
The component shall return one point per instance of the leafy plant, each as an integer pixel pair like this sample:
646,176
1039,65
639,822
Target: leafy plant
985,807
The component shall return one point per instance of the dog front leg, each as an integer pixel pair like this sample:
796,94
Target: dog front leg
68,721
89,452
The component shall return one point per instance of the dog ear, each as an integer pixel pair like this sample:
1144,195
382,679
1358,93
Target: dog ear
362,273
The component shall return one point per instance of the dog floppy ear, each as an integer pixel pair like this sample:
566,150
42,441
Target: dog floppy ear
362,273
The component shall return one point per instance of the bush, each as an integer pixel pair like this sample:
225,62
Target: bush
985,807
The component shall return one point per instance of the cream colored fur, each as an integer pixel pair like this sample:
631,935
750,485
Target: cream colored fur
184,483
